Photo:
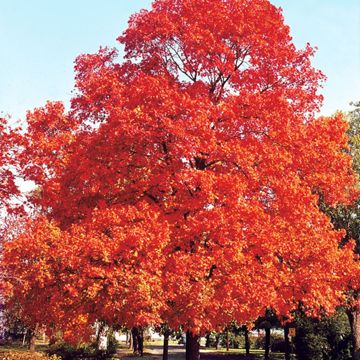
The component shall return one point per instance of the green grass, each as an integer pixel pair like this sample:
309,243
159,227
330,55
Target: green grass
153,351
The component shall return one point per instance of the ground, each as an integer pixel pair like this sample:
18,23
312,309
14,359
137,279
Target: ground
153,351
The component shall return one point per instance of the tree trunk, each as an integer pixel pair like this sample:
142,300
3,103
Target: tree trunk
141,341
135,340
166,345
192,346
267,343
227,340
102,340
52,340
247,342
217,341
207,343
99,329
32,342
354,320
127,338
287,342
32,338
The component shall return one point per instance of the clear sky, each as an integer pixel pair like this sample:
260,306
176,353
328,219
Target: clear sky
39,40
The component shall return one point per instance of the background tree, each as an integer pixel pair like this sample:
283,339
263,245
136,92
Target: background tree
354,135
325,338
9,147
348,218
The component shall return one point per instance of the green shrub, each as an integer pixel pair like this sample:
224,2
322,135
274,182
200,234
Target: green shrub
328,338
235,341
83,351
277,342
279,345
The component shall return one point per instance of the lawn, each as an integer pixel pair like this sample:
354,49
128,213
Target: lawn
153,351
177,352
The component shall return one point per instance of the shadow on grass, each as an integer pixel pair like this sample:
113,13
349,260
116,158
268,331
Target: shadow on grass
177,352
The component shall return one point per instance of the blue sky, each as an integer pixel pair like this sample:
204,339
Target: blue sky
39,40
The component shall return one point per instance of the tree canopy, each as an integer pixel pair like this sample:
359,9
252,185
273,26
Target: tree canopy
183,185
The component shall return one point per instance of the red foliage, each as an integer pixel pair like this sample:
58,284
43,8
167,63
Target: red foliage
186,181
8,147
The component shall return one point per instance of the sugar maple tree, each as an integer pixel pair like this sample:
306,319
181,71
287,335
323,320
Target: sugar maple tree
207,132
